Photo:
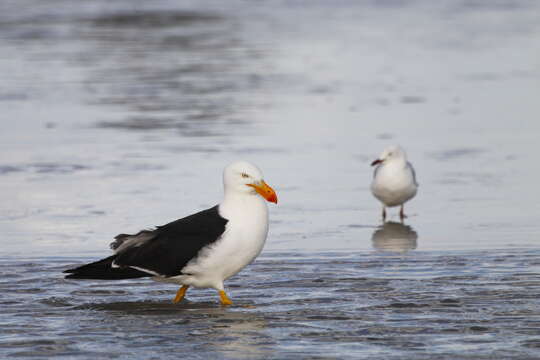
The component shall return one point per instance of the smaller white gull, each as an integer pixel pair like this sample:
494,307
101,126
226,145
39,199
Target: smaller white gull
394,180
201,250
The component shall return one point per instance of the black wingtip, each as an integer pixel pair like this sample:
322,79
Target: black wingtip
103,270
78,276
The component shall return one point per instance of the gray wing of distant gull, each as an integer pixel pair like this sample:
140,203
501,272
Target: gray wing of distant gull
409,165
377,168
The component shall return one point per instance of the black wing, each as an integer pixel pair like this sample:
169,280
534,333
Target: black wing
173,245
103,270
164,251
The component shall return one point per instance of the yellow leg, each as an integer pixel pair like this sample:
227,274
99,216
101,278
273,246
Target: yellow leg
224,298
180,294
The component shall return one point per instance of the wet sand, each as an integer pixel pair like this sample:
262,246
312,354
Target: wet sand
466,305
118,117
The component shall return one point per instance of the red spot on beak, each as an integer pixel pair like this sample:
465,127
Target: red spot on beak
375,162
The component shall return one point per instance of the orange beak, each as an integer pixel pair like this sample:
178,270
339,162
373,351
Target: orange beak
265,191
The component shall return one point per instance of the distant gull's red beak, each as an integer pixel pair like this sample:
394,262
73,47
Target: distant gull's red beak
265,191
378,161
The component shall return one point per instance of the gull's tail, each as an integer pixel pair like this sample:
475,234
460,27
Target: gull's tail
103,270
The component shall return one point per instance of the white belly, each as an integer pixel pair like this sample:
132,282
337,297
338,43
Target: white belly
242,241
392,196
393,185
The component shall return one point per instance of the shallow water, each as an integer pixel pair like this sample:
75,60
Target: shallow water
322,305
119,116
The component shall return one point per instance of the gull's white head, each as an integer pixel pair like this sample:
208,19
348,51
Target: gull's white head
245,178
391,153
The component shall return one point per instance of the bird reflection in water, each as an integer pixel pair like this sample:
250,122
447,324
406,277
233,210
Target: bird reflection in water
394,237
246,338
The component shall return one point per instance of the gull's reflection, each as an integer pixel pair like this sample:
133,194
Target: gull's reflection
241,336
395,237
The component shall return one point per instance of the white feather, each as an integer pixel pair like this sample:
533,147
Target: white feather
244,236
394,181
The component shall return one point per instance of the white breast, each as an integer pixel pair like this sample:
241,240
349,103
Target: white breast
394,184
242,241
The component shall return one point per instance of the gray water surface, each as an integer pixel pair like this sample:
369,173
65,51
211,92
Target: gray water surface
120,115
365,305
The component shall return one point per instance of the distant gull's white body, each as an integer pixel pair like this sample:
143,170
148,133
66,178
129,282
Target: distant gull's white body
394,184
394,180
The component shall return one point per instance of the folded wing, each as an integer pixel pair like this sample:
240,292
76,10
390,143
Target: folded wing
160,252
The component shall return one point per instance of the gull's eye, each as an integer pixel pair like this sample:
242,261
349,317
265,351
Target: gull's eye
244,175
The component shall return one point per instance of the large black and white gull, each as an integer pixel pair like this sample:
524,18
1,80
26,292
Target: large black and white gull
201,250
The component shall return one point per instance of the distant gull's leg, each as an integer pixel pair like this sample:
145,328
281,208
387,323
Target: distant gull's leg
224,298
383,213
402,214
180,294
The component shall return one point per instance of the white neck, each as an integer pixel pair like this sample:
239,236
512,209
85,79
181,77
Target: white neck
243,204
400,161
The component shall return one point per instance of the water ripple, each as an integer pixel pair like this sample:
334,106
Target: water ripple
284,302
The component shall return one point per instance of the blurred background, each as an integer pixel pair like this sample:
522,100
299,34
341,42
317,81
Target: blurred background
120,115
